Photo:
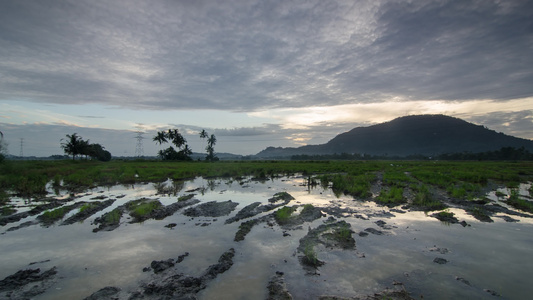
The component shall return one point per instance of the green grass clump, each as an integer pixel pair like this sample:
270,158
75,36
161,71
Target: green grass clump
425,200
310,257
464,190
307,209
54,215
342,234
87,206
396,178
186,197
445,214
515,201
283,215
7,210
113,217
393,196
143,209
480,214
356,185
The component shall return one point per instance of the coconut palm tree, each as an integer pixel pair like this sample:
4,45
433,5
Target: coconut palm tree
160,137
72,145
203,134
175,137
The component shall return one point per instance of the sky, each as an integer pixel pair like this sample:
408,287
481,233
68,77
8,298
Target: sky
256,73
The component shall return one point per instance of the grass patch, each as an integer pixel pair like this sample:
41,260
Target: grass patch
113,217
283,215
185,198
87,206
143,209
342,234
445,214
310,257
356,185
425,200
7,210
515,201
307,209
480,214
394,196
29,178
54,215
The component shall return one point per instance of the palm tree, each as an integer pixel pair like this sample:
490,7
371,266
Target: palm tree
175,137
160,138
73,145
203,134
212,140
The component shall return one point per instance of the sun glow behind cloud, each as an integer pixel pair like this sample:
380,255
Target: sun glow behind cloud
372,113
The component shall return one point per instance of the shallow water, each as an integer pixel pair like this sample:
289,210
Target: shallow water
490,256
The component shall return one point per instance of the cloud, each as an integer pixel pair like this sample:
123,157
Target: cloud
255,55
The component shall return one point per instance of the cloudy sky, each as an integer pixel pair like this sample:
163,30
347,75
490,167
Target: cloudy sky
256,73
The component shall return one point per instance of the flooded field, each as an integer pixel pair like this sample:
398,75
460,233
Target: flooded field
223,239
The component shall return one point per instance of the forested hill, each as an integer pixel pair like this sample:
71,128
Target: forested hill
410,135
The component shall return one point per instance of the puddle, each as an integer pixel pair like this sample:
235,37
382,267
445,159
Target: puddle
480,257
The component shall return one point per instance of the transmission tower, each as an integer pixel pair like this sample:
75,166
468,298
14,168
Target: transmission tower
21,147
139,149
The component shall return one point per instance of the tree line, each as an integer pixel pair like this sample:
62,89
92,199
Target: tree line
182,150
505,153
75,145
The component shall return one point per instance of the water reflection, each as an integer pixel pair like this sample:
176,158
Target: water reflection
489,256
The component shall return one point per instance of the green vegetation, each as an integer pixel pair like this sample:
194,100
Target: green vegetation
517,202
87,206
356,184
185,198
481,214
139,209
113,217
54,215
463,180
284,214
310,257
7,210
393,196
307,209
425,200
342,234
445,214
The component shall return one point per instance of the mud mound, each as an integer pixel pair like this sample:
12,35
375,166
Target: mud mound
211,209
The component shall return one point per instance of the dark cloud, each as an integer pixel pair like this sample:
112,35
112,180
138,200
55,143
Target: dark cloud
514,123
245,56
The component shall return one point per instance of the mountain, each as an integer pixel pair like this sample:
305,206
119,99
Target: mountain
421,134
